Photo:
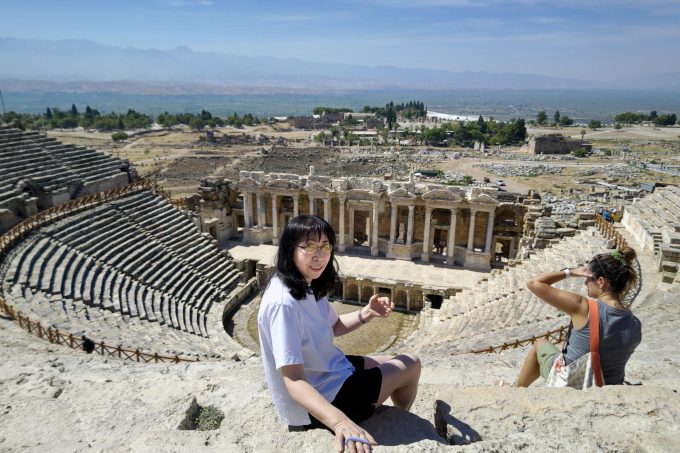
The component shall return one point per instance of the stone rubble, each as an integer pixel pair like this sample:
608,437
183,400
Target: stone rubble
522,170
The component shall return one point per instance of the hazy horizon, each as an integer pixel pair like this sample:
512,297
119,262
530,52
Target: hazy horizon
608,42
580,105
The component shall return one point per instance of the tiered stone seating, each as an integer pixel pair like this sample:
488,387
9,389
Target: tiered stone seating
38,172
654,222
135,260
499,309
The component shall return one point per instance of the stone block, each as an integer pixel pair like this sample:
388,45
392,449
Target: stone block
565,232
583,224
670,237
669,253
541,243
669,266
667,277
585,216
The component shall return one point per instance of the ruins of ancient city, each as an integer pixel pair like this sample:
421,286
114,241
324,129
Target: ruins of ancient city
152,254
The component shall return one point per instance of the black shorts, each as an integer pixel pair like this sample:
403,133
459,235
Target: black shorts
357,396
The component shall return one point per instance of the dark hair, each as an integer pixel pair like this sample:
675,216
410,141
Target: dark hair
617,270
298,230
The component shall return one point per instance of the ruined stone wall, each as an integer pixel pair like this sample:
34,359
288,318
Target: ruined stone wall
555,144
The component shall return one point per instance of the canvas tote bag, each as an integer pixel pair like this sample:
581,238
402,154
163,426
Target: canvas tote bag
585,371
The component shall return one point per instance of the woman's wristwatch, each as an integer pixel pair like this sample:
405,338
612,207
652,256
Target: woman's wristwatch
361,318
567,272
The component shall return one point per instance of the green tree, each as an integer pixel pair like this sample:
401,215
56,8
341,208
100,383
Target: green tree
541,118
482,124
74,110
665,119
630,118
557,117
196,123
321,138
595,124
579,152
566,121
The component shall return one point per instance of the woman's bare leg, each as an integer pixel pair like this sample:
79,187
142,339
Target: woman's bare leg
400,375
530,369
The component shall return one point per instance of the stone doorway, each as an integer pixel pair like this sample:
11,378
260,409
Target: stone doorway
435,301
362,229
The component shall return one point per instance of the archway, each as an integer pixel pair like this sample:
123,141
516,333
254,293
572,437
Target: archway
400,299
352,292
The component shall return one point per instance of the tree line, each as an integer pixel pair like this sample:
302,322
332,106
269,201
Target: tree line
466,134
90,118
390,113
626,118
665,119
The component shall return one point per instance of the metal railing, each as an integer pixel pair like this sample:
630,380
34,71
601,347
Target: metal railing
555,336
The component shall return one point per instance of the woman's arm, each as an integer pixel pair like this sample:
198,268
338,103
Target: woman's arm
378,307
307,396
566,301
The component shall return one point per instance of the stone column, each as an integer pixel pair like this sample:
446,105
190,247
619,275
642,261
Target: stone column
327,209
296,206
471,232
312,205
393,224
427,247
351,227
261,216
489,233
342,224
247,211
451,244
275,220
409,233
374,230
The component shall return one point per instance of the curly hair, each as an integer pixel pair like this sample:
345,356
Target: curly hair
300,229
616,268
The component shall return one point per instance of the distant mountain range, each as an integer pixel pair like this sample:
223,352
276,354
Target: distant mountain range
86,66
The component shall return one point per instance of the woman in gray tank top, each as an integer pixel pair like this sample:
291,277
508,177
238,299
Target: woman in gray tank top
608,277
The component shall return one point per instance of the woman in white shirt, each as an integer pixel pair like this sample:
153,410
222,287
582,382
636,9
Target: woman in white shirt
312,382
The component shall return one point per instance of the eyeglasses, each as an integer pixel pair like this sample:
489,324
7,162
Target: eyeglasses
313,248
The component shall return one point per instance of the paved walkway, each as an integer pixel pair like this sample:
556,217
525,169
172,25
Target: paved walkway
378,269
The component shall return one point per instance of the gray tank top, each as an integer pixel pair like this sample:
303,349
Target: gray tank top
620,334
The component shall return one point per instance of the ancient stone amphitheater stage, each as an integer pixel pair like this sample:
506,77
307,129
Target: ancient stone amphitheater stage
127,268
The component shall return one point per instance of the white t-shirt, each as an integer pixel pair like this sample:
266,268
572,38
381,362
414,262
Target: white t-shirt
299,332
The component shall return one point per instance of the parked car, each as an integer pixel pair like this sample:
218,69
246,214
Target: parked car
500,182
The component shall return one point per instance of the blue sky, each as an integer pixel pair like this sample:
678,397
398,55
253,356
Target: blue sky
592,40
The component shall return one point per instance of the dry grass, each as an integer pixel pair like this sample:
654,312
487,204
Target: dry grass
369,339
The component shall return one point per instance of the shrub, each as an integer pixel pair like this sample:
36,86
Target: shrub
579,152
209,418
119,136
